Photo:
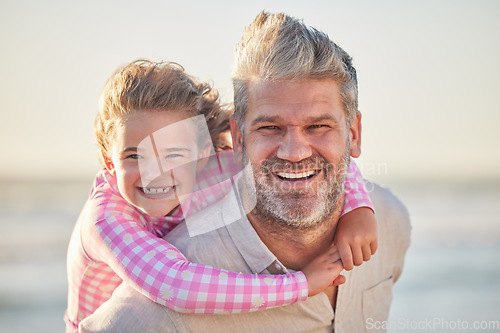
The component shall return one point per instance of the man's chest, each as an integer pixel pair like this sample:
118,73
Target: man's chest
331,292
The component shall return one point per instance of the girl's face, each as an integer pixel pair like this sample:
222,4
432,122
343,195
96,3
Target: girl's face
154,158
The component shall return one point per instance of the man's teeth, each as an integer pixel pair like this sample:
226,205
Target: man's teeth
304,174
157,190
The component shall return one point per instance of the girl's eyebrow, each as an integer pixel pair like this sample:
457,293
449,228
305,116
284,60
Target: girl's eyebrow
175,149
129,149
169,150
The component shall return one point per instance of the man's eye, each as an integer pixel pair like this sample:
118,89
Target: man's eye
318,126
269,127
134,156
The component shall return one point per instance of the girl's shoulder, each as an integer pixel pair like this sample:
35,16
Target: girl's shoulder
213,182
106,202
219,168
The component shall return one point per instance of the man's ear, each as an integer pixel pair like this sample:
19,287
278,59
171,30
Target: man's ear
237,140
355,133
108,163
236,135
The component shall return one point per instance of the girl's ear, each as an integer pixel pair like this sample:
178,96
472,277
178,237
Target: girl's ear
108,162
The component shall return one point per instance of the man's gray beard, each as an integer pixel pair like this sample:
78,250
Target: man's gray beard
286,208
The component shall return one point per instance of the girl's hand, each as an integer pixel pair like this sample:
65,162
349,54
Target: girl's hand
356,237
324,271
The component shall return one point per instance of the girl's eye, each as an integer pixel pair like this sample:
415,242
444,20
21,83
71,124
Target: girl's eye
134,156
173,155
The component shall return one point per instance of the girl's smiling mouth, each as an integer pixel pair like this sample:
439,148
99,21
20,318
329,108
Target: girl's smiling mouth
156,192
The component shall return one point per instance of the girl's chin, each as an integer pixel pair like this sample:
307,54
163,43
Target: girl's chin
160,211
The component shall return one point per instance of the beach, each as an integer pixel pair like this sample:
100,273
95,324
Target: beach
451,280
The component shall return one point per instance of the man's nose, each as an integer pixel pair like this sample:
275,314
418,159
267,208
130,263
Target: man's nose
294,146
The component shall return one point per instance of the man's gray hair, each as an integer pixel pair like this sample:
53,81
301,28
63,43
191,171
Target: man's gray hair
280,47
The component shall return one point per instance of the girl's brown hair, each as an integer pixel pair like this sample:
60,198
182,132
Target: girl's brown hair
146,85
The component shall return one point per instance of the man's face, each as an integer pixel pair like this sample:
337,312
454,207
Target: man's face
298,145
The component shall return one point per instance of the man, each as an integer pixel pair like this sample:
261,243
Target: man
295,125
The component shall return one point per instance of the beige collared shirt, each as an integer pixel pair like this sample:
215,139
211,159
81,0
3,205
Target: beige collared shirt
365,297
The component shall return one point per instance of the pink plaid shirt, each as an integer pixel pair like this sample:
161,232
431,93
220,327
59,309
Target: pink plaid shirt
113,241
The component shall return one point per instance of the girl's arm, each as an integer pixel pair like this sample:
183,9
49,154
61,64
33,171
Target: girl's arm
356,194
356,235
158,270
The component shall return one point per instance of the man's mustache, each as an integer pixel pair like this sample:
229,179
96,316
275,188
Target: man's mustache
275,164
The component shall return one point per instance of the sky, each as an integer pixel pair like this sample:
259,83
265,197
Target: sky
428,76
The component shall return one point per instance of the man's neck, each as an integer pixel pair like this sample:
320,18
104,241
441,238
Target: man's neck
297,247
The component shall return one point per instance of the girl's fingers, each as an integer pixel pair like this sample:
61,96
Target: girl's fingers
374,246
367,253
346,256
357,256
339,280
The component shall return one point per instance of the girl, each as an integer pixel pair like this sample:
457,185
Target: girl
156,158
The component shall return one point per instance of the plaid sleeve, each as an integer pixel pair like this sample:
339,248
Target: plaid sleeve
356,194
159,271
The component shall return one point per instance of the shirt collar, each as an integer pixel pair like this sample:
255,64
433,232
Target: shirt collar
256,254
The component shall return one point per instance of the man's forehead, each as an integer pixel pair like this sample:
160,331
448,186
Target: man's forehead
270,87
286,98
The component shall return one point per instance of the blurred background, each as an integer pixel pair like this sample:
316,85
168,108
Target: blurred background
428,80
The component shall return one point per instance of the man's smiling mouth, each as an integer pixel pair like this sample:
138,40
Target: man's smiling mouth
297,175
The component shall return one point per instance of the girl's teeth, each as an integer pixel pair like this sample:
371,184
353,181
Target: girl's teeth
156,190
296,175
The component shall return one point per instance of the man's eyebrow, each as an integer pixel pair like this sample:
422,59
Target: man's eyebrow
323,117
312,119
265,119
